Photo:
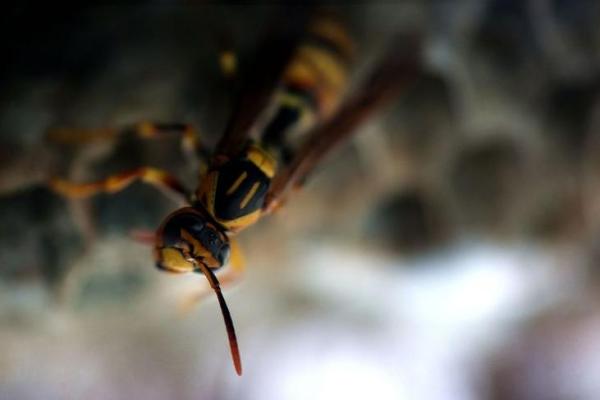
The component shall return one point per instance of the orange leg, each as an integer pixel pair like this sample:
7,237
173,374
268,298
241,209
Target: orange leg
115,183
190,141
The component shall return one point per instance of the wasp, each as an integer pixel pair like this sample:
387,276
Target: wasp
255,165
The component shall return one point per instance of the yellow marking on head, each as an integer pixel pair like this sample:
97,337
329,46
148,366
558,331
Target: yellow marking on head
237,183
172,260
199,250
250,194
262,159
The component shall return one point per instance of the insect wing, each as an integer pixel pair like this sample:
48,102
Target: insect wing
258,81
396,70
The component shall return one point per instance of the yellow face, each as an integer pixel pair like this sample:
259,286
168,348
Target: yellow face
187,238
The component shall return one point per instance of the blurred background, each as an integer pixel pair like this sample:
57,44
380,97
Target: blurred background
448,251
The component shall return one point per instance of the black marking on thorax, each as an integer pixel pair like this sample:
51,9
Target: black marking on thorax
248,196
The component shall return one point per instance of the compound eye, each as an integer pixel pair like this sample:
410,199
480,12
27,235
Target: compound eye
224,254
197,226
171,233
211,240
212,237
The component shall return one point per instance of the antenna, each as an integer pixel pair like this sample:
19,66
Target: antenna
233,345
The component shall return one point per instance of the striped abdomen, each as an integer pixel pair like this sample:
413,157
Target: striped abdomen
313,82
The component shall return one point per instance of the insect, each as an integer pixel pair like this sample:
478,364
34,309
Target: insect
255,165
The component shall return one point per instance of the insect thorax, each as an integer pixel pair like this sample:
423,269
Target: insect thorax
234,192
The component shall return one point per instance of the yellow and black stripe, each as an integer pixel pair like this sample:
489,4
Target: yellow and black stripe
314,81
319,68
234,193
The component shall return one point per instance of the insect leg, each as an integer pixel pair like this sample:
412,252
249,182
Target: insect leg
160,179
190,140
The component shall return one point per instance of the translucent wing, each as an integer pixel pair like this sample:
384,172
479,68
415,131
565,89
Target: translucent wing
396,69
259,79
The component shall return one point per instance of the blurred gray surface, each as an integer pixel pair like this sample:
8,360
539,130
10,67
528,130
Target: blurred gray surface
437,255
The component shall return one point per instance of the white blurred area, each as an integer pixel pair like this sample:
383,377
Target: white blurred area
478,280
393,331
336,322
